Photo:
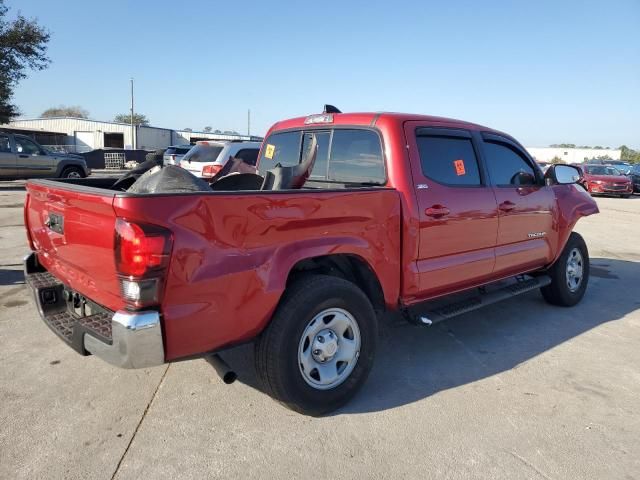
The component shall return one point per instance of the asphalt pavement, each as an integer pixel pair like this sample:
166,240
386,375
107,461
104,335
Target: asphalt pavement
520,389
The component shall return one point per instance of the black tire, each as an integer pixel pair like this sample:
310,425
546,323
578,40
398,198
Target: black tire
625,196
559,292
277,361
72,172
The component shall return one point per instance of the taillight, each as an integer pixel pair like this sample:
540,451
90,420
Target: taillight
173,158
142,254
211,170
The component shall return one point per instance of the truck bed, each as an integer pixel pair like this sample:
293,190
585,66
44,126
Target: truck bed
232,251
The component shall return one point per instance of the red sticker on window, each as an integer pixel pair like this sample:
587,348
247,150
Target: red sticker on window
459,164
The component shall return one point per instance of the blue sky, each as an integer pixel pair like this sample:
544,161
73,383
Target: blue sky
544,71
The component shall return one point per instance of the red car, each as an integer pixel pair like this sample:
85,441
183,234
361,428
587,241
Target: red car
605,179
353,215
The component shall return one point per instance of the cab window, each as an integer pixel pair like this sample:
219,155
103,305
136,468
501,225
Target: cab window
280,148
507,167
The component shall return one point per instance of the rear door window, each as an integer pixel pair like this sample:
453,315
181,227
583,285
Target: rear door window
449,160
5,146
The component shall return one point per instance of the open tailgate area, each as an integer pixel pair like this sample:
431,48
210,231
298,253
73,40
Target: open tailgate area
71,228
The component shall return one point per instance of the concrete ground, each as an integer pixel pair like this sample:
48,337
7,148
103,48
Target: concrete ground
517,390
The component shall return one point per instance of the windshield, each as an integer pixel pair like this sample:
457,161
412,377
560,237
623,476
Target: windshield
602,170
203,153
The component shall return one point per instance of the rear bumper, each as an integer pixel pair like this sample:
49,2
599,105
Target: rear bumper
124,339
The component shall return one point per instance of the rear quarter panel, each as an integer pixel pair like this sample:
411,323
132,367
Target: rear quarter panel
232,254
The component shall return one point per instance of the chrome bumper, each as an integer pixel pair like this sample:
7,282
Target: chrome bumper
124,339
136,341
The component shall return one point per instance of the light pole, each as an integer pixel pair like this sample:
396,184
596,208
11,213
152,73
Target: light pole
133,130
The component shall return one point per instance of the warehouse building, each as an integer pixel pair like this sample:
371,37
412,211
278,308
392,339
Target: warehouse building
572,155
83,135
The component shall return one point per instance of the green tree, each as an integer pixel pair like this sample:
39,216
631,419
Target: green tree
138,119
23,46
629,154
207,129
556,159
63,111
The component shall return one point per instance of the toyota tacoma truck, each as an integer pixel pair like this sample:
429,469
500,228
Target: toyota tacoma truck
427,216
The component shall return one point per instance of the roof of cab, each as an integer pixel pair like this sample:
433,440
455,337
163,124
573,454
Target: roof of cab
371,118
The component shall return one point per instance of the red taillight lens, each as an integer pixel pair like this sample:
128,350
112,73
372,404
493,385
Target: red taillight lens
141,249
211,170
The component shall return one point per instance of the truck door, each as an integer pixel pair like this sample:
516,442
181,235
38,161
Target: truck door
526,206
458,212
33,161
8,166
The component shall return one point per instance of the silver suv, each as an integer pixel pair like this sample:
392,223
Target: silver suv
174,153
22,157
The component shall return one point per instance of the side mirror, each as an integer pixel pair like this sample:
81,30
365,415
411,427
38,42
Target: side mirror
562,175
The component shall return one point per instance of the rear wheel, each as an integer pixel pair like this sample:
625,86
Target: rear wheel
72,172
569,275
626,195
319,348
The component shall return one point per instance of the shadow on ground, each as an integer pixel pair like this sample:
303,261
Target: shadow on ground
415,362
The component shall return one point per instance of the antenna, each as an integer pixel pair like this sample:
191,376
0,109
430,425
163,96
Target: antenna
330,109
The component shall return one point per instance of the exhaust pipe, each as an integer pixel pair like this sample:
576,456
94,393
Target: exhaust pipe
222,368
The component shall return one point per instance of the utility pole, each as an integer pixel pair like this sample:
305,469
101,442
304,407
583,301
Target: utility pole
249,122
133,129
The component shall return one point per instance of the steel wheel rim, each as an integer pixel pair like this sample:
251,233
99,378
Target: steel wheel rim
73,174
329,349
575,269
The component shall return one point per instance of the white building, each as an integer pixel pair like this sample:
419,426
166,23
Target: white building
81,135
571,155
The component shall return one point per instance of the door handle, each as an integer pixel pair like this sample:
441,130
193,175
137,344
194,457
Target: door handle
437,211
507,206
23,156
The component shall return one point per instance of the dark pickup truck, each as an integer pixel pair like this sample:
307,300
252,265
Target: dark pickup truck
395,212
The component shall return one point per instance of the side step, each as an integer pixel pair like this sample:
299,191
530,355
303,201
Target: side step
428,316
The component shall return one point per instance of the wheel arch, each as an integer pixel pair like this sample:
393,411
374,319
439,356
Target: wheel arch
350,267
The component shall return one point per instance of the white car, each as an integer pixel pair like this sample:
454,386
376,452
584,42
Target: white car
208,157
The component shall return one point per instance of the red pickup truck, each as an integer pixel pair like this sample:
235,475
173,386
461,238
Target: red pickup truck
427,216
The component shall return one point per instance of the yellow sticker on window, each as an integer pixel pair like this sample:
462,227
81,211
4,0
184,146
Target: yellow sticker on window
269,151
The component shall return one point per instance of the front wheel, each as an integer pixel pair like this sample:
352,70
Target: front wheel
72,172
569,275
319,348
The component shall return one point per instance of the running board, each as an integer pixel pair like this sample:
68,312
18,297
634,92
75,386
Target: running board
430,316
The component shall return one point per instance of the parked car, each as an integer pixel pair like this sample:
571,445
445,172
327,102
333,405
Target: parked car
208,157
173,154
358,214
23,157
605,179
634,175
621,165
